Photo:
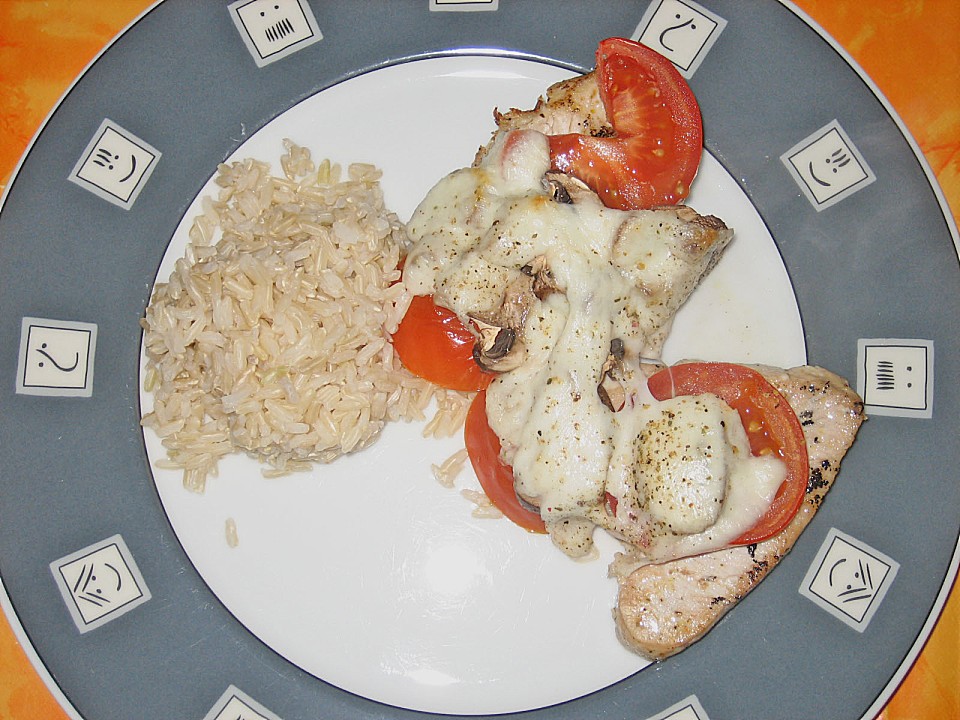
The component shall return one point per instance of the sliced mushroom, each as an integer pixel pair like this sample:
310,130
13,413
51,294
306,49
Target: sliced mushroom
612,394
543,280
558,193
497,348
611,390
617,352
566,189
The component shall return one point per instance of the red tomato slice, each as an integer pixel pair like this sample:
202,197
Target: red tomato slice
496,477
771,425
655,151
432,343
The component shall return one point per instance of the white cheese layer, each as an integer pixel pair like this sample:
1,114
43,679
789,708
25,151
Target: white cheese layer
613,277
700,485
554,429
683,461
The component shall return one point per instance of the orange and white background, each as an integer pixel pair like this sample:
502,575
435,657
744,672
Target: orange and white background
910,48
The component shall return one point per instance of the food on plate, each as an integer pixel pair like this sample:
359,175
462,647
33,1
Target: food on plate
634,137
271,335
563,252
528,299
630,129
732,425
662,608
438,347
496,477
566,297
562,282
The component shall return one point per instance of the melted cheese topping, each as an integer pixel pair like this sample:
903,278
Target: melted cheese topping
613,276
682,463
695,485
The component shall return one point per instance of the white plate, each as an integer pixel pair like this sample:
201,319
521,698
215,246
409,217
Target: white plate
366,572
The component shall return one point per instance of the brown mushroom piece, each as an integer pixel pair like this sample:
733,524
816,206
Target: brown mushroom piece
543,282
558,192
610,389
497,348
566,189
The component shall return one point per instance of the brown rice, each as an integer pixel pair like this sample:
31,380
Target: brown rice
484,507
446,472
271,335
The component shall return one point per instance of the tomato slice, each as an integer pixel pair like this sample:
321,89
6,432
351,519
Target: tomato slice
495,476
772,428
654,153
434,344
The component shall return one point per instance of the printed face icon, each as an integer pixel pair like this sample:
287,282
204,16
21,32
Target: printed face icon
831,165
827,166
99,583
272,28
681,31
898,375
115,165
849,579
56,357
895,376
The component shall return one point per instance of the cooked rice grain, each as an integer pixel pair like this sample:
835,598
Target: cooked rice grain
446,473
485,509
275,339
230,532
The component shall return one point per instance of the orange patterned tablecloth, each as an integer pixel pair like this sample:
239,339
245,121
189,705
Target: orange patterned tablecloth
908,47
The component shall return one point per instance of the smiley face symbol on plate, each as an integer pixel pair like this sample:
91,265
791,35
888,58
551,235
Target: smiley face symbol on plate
62,368
832,164
680,24
110,160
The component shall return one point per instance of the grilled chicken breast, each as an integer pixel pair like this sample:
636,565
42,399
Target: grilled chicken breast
569,106
663,608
